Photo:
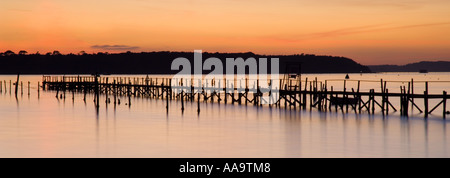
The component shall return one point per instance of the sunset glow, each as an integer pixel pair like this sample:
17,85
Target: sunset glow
370,32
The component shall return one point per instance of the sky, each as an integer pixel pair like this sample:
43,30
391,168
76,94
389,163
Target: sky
369,32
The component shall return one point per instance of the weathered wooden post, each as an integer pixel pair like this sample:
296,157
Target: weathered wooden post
383,97
167,98
331,96
401,101
115,92
198,102
97,92
315,88
182,103
64,90
17,85
285,96
106,93
226,89
129,92
232,94
426,99
295,97
28,88
412,93
345,96
310,96
85,91
406,102
192,91
358,95
211,90
444,104
171,91
326,96
38,90
387,101
157,89
304,93
373,101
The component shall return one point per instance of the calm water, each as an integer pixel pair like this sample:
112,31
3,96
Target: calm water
48,127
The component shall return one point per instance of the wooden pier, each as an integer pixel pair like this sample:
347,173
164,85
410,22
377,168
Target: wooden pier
293,93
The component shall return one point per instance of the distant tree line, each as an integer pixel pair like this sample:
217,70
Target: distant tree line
154,62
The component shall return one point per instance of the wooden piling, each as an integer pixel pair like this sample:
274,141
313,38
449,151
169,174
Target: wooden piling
345,96
167,100
85,91
182,103
304,93
226,89
106,95
97,92
387,101
64,89
115,92
232,94
295,98
358,95
310,96
406,102
426,100
401,101
17,84
198,102
412,93
38,89
383,97
331,95
373,101
444,104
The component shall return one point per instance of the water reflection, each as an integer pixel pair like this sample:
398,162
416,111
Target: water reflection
342,135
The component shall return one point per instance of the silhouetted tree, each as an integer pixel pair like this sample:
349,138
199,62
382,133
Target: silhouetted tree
82,53
48,54
56,53
9,53
22,52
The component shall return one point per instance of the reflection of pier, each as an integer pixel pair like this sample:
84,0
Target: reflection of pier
294,93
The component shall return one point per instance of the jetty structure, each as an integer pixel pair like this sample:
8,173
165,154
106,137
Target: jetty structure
293,93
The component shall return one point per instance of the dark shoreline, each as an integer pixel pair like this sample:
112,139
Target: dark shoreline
160,63
424,66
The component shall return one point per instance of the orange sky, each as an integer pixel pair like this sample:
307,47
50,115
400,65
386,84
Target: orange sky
370,32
